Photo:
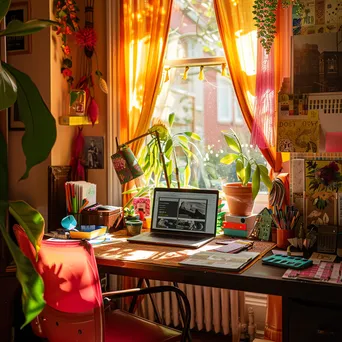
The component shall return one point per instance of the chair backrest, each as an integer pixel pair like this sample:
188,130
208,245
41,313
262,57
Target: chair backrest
72,288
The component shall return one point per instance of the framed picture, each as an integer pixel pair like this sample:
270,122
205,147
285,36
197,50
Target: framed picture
14,123
18,45
93,152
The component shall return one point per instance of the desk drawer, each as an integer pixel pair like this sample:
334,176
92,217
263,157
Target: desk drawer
314,322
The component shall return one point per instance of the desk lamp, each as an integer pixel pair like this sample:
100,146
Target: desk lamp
126,165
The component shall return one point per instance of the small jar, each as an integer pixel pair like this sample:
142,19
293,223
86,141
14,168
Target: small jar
134,227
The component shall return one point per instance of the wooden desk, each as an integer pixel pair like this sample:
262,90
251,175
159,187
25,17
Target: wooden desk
161,263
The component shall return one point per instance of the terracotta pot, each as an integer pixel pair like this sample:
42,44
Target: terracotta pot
239,198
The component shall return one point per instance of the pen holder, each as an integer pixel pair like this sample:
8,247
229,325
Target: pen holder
78,218
282,236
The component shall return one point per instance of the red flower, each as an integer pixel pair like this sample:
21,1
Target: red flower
67,30
67,72
66,49
86,38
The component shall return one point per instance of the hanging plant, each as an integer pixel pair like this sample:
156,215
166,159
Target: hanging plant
66,15
265,18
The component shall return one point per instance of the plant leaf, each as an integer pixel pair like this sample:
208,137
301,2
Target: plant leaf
248,170
32,284
18,28
265,177
232,143
40,125
256,182
168,148
183,139
193,135
30,220
4,6
187,174
240,171
229,158
171,119
8,89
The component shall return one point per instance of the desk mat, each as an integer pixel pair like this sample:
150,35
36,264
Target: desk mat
164,255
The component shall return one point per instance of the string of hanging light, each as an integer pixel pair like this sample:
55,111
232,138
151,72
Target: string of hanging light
195,62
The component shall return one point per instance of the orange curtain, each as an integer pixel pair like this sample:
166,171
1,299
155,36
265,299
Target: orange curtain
144,28
239,39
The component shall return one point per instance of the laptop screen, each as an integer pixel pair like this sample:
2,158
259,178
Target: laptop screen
185,210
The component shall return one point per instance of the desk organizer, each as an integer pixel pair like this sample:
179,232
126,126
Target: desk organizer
286,261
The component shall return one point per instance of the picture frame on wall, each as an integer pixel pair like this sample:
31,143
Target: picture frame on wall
93,152
14,123
23,44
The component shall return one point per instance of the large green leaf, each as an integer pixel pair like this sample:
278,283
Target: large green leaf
18,28
229,158
40,125
256,182
187,174
248,170
232,143
168,148
32,284
265,177
3,169
30,220
8,89
4,6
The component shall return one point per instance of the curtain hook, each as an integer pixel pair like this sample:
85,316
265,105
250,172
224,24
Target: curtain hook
201,73
185,75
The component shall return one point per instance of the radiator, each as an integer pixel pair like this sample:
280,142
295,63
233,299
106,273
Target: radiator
212,309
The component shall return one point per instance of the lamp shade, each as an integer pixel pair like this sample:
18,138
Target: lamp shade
126,165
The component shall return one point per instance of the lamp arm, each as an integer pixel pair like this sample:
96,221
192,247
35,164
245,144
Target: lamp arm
136,138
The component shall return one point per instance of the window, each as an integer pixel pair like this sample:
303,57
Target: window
206,106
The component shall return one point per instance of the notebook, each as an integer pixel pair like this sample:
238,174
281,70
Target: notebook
181,217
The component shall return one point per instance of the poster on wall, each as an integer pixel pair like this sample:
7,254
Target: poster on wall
317,16
317,62
20,44
323,184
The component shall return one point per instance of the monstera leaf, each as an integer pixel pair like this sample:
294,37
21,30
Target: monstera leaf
40,125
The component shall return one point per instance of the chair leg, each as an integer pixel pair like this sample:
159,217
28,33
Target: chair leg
135,298
182,312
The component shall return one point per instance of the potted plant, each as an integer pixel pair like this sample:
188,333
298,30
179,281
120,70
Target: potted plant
37,142
179,151
129,214
240,196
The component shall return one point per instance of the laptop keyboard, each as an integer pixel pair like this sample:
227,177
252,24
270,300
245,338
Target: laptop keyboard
161,236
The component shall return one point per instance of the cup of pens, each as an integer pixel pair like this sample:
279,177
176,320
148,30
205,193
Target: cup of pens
285,221
282,237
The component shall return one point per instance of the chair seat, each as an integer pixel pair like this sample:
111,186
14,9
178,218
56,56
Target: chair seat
121,326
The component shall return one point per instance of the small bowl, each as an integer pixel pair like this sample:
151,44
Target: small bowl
133,227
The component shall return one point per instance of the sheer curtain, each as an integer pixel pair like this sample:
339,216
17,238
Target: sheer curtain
144,28
239,39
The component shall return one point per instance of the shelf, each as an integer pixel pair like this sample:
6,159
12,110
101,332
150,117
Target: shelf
68,120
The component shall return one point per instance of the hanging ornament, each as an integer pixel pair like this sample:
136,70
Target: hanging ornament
185,75
167,76
224,70
201,73
93,111
76,163
86,38
66,15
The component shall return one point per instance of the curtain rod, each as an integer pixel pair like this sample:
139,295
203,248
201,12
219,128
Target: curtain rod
194,62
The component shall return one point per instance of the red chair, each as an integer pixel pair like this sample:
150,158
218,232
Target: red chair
74,308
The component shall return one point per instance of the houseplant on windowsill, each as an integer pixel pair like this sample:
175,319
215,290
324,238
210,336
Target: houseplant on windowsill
240,196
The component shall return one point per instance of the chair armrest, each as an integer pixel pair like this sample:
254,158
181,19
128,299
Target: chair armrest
156,289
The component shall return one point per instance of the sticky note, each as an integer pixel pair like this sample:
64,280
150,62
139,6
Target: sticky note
333,142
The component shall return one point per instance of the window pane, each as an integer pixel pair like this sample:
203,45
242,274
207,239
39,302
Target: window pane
207,106
194,31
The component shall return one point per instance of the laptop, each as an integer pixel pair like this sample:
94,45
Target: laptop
181,217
